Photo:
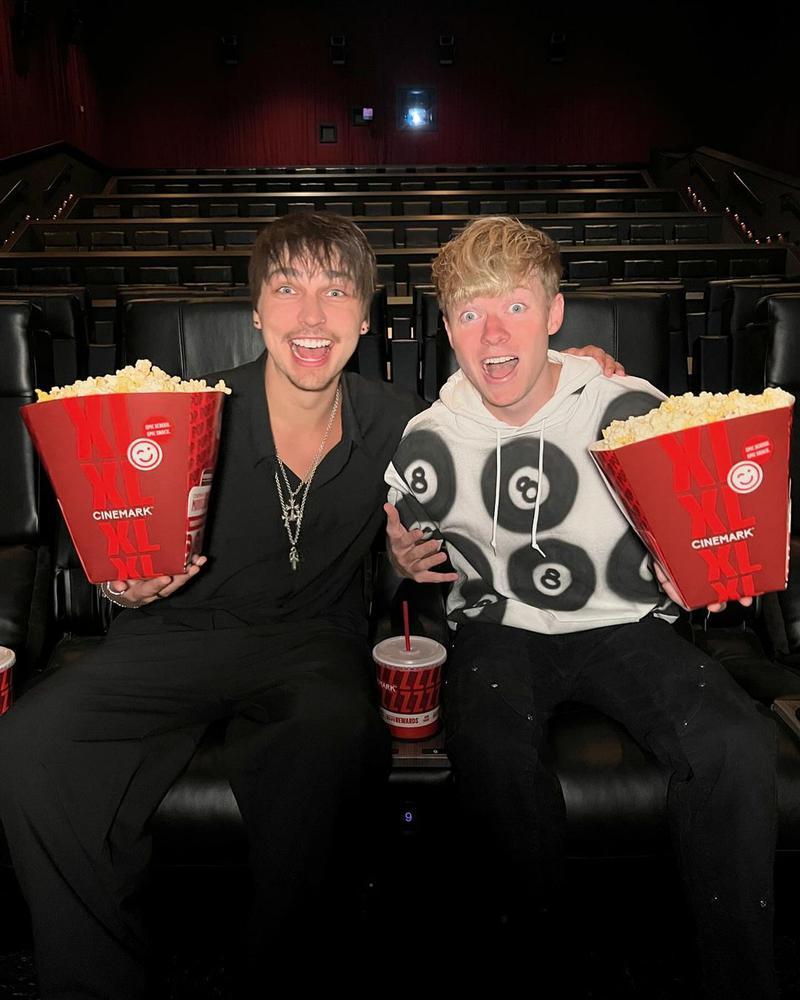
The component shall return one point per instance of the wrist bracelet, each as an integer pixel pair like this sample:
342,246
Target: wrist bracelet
111,596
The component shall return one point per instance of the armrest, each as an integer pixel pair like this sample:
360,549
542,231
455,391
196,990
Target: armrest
78,607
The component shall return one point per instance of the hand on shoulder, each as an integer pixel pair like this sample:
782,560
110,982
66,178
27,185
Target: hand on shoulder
608,363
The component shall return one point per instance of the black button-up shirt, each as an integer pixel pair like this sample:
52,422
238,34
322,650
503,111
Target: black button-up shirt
248,578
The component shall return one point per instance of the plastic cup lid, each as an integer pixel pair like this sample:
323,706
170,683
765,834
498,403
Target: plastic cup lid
424,652
7,658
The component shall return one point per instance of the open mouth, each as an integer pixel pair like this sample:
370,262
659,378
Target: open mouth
311,350
500,367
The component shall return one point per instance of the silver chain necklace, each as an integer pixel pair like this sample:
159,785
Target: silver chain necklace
293,503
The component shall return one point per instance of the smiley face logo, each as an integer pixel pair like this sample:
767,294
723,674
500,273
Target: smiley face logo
745,477
145,454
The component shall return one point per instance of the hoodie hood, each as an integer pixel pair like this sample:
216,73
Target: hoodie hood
464,401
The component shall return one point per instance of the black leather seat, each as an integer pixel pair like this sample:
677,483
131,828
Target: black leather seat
532,206
199,238
734,312
422,236
63,314
380,238
377,208
601,234
185,210
264,209
564,235
588,272
25,570
459,207
647,232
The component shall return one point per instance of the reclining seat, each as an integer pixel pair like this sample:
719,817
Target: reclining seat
24,546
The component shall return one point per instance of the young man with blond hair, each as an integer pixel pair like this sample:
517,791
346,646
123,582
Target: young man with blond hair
553,599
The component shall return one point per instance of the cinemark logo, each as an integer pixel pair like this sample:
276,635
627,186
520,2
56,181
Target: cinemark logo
116,515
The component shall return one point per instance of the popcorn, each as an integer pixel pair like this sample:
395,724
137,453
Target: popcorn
144,376
679,412
704,481
131,458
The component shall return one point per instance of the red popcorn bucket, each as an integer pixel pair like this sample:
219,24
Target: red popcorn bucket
410,681
132,474
711,503
7,661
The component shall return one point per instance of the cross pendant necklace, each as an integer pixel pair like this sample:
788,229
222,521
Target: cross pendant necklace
291,510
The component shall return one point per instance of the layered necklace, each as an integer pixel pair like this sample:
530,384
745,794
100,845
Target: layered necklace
293,502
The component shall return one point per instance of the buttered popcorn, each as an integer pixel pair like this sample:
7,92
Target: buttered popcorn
144,376
677,413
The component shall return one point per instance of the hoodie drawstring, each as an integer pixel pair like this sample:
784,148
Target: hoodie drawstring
493,542
535,525
534,542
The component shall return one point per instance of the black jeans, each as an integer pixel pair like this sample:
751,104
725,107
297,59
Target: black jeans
89,752
503,685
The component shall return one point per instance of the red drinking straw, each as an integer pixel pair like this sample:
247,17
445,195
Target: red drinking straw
406,627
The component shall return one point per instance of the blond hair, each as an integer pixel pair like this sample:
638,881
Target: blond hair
493,256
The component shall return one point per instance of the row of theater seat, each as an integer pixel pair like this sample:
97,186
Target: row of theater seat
517,182
447,206
411,236
399,269
730,354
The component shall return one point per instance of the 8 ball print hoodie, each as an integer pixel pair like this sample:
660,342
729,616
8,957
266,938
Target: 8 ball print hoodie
537,539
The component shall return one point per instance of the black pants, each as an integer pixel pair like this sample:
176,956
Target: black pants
88,753
503,685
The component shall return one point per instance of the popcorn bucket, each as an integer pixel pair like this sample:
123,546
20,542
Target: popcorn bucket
7,660
711,503
132,474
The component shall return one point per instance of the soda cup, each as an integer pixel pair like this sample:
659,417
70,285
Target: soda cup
7,661
410,681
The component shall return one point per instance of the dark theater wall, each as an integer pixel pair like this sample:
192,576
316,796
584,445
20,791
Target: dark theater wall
171,101
47,89
154,91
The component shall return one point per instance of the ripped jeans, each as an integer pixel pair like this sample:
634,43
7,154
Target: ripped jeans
503,685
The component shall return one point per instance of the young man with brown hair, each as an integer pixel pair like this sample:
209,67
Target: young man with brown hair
267,631
553,600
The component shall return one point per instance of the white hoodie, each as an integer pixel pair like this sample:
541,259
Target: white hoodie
560,559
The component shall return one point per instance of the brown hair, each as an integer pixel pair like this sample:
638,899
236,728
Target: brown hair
320,239
492,256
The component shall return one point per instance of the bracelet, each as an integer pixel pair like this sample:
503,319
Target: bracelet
112,595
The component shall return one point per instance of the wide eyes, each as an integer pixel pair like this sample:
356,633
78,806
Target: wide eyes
333,293
470,315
